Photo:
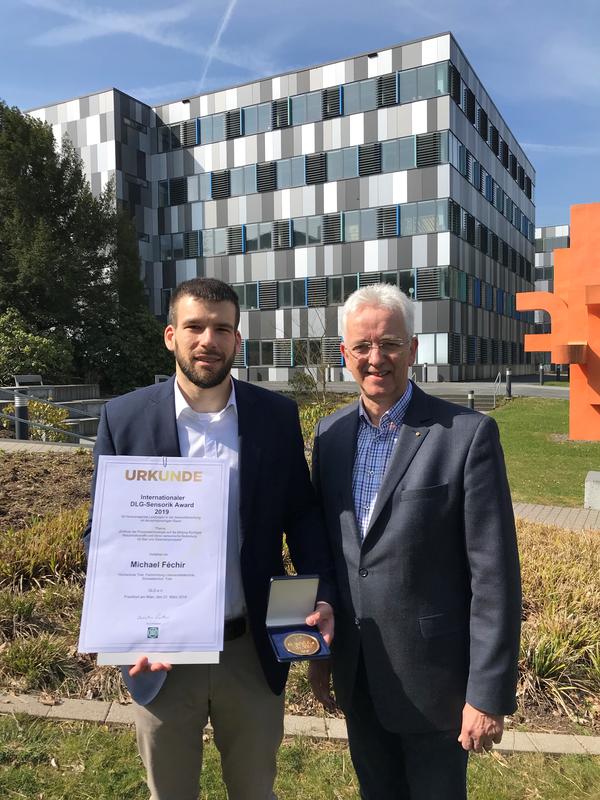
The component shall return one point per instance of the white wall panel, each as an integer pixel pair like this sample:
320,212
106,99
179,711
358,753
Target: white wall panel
380,64
272,145
316,79
93,130
357,129
330,197
419,117
334,74
301,262
371,250
419,251
443,180
308,200
400,187
307,132
239,151
443,249
231,99
437,49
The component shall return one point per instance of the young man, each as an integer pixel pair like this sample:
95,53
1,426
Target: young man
420,522
203,412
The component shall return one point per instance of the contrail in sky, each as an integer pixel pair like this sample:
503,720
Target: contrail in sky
217,40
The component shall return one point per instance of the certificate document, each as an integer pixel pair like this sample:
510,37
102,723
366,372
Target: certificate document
156,571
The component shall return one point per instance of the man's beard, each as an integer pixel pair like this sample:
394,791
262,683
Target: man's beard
211,379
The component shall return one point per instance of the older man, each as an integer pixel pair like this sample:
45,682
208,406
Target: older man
421,525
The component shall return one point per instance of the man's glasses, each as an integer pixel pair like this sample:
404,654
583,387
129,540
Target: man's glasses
387,347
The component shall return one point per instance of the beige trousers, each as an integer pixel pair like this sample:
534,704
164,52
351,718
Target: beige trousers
247,720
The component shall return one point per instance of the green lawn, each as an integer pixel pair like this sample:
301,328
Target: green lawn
543,467
79,761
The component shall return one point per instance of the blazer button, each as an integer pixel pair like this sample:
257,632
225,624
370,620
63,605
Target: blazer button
357,622
363,572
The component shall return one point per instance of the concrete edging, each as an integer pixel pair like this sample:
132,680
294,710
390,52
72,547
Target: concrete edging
331,728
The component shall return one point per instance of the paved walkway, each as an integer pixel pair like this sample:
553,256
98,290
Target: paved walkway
315,727
573,519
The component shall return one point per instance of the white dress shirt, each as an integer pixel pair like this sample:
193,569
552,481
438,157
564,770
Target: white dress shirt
215,435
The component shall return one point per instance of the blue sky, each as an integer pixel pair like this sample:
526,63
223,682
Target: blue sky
538,59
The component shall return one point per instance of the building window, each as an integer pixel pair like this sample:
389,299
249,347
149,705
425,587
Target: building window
247,294
259,353
163,194
258,236
242,180
398,154
212,129
342,164
306,108
256,119
292,293
214,242
290,172
340,288
166,250
360,96
164,139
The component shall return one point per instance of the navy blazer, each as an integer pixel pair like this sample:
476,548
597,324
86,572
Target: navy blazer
431,596
276,497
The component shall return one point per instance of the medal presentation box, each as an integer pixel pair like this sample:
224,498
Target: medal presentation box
291,600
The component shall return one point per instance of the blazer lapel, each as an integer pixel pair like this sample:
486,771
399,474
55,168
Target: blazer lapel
341,466
412,435
249,433
161,421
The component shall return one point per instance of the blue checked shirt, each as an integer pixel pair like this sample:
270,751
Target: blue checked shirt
374,447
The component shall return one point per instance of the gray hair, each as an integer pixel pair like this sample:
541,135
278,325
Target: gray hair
381,295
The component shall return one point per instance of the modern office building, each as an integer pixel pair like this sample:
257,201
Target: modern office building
547,240
390,166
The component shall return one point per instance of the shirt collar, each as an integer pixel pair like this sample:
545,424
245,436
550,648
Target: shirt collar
394,414
183,407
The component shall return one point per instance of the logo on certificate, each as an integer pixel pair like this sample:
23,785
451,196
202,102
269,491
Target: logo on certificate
153,632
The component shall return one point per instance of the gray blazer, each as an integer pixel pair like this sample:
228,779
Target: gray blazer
432,595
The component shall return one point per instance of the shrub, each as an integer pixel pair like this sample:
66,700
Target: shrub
46,414
23,350
51,548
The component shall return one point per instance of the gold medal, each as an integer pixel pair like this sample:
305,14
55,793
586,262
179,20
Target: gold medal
301,644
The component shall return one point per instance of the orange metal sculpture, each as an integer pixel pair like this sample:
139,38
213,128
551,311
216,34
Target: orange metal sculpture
574,308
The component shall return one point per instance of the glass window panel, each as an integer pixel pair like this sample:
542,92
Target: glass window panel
299,226
178,245
427,216
352,98
193,189
426,81
250,179
407,281
442,215
390,277
284,290
441,78
265,233
368,95
251,238
165,247
390,156
164,139
208,241
218,127
240,290
266,353
335,165
334,290
252,295
264,117
314,351
175,140
408,152
206,130
313,107
368,224
220,241
236,181
250,115
284,174
163,193
299,109
298,176
351,226
253,352
444,147
204,186
350,285
408,219
314,229
299,292
350,155
299,351
408,85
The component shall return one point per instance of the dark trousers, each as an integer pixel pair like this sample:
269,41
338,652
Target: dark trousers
396,766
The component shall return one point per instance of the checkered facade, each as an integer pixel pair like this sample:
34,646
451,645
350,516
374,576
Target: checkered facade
299,188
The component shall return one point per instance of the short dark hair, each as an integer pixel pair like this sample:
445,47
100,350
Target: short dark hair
210,289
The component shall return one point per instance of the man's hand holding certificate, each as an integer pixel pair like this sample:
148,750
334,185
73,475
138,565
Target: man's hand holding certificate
156,573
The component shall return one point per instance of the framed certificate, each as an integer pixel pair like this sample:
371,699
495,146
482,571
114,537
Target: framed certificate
156,573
